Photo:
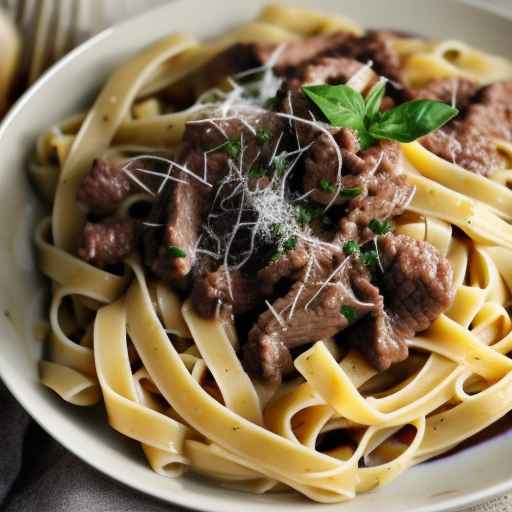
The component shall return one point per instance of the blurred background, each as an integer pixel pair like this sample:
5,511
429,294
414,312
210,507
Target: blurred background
36,33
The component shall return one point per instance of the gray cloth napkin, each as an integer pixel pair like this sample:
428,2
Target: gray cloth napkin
54,480
57,481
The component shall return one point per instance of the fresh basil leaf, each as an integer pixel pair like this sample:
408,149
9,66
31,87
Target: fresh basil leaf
374,99
412,120
365,139
341,105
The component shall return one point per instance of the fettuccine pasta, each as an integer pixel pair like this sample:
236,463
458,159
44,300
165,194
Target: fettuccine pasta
175,368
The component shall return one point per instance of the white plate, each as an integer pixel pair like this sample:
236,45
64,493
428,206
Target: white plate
459,480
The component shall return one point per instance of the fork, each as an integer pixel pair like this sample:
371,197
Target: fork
49,29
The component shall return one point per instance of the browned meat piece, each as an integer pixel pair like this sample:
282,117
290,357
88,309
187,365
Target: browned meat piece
417,283
243,56
207,136
460,90
267,358
322,164
104,187
295,53
321,319
375,46
415,288
333,70
108,242
387,196
184,209
373,335
211,290
232,60
285,266
469,140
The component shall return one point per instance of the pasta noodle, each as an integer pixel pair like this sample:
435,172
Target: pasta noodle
172,379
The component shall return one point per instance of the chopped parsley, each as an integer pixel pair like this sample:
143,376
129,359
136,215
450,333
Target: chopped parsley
305,215
271,103
348,312
327,186
369,258
351,247
280,165
350,192
232,148
277,229
176,252
257,172
290,244
263,136
380,228
275,256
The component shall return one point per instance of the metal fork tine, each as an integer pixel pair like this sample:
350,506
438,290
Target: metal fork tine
42,34
21,9
74,27
59,35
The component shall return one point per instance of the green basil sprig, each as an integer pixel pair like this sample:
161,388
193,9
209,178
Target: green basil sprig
347,108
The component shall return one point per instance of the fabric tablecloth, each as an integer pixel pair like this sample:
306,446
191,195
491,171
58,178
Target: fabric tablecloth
39,475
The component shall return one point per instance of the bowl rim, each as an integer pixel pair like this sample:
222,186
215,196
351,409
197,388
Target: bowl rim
182,500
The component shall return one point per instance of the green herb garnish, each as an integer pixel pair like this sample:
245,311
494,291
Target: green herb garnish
277,229
231,147
369,258
263,136
270,103
279,165
348,312
305,215
276,256
347,108
176,252
327,186
351,247
257,172
380,228
290,244
351,192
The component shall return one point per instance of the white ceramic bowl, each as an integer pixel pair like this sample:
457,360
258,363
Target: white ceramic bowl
456,481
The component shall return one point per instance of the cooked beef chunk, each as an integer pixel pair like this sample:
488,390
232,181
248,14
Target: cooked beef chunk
211,290
268,358
469,141
333,70
414,288
296,53
108,242
374,335
459,91
104,187
322,164
208,136
387,196
322,318
375,46
244,56
184,208
287,265
383,193
416,284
